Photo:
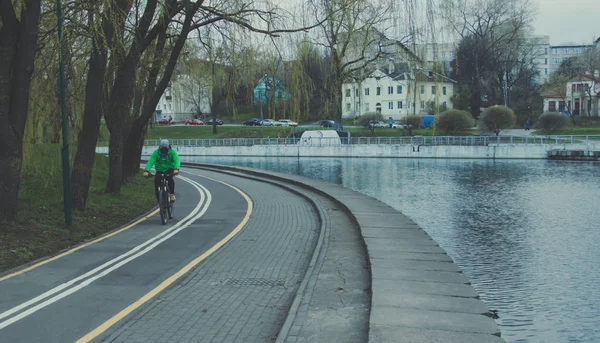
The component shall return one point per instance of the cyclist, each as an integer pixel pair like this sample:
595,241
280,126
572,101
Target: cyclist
166,161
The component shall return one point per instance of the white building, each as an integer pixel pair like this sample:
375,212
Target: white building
581,96
184,98
397,94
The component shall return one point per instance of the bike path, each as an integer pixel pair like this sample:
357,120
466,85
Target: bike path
75,308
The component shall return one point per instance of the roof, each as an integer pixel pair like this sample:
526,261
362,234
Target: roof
584,77
551,94
423,76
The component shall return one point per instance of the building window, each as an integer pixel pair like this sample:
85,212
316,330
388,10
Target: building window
422,89
347,93
399,90
444,90
378,90
566,50
552,106
554,51
158,107
390,90
545,61
452,54
545,51
348,106
546,71
422,104
356,92
399,105
577,50
433,90
390,105
366,107
556,60
445,104
366,91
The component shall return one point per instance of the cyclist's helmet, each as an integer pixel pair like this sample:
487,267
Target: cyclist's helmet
164,146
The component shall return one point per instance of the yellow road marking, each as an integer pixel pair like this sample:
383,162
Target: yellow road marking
70,251
163,285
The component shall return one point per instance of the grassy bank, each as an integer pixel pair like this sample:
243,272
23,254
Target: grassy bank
205,132
40,230
573,131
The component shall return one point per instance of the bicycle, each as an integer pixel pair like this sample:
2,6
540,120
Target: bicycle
164,200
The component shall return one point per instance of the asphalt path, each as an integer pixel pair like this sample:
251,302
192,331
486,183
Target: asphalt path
63,299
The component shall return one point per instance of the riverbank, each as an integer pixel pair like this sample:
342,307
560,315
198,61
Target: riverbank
382,148
40,230
205,132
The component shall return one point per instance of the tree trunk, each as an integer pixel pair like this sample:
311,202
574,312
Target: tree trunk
18,44
132,153
88,136
153,93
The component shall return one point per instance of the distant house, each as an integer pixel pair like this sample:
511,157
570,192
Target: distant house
580,96
269,87
397,93
583,93
185,97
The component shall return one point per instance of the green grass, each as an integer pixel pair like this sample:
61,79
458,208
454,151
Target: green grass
203,132
40,230
573,131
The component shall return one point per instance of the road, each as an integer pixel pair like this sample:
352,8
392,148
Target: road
231,262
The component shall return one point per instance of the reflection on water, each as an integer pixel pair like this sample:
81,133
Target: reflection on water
526,233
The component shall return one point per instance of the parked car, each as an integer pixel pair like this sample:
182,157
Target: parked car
210,122
166,121
286,122
397,125
195,122
252,122
377,124
268,122
327,123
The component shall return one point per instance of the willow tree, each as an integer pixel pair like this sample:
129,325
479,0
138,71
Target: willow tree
19,25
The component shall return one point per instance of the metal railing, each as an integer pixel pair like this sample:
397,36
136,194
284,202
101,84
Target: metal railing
415,140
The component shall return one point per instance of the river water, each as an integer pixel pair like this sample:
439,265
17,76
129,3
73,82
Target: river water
526,233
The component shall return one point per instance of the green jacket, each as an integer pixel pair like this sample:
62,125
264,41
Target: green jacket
163,163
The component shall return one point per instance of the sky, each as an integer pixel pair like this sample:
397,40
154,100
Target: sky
568,21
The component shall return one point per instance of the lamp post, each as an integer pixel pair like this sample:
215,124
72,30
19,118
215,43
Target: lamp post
260,95
65,131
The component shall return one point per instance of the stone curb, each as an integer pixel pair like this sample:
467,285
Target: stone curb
403,313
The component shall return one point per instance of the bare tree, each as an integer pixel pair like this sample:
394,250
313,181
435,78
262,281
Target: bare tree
495,50
352,39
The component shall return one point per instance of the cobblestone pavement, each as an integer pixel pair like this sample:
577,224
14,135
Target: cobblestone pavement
242,292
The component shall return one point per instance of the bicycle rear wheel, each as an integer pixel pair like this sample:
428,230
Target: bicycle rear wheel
163,204
171,210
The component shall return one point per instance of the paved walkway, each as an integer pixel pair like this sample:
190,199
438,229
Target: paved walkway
253,257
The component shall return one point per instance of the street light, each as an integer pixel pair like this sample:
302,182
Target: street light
260,97
65,132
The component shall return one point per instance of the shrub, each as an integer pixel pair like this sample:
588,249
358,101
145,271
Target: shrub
412,122
453,121
497,118
365,120
551,121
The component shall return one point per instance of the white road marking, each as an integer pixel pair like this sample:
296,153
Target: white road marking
203,204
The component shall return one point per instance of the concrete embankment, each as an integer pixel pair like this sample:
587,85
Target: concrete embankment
491,151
